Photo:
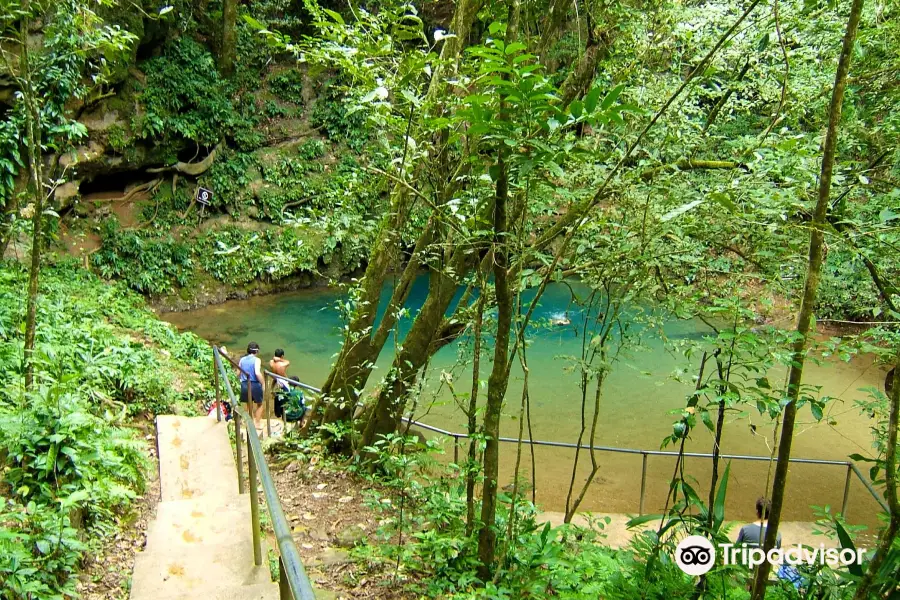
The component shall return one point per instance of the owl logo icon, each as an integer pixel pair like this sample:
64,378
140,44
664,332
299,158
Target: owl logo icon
695,555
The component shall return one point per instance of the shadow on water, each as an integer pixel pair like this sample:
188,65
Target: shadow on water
639,396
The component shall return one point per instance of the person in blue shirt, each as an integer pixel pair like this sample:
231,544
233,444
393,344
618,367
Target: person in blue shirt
252,383
753,534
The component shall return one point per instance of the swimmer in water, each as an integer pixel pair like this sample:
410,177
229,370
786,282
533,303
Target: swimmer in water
560,320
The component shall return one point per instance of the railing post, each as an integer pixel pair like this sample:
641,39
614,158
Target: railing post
846,500
217,385
643,482
238,450
254,504
268,398
456,449
284,587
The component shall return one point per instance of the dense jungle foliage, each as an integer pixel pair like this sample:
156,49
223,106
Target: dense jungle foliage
73,447
730,161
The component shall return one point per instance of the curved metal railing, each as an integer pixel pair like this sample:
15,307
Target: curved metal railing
852,469
293,581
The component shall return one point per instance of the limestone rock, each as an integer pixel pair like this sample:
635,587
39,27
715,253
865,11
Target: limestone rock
330,557
66,195
351,536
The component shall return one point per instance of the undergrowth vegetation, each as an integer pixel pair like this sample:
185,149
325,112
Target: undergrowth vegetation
421,541
73,457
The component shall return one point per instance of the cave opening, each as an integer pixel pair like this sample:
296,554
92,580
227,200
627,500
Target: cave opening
112,185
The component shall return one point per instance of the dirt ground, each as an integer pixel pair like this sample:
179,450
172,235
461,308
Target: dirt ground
327,515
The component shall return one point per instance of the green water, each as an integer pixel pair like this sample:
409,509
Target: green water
637,399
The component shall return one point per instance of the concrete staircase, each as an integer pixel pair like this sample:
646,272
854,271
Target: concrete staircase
200,544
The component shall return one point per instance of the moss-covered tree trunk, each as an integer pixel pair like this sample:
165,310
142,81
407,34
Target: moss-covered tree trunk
228,50
498,380
363,343
415,352
889,535
808,302
550,28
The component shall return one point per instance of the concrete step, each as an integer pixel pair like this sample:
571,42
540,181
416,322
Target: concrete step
259,591
195,458
172,569
203,520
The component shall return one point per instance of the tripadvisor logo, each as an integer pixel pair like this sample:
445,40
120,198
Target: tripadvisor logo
696,555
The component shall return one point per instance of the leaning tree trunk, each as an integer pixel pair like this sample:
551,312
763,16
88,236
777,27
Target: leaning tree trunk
355,361
413,355
361,346
809,297
550,28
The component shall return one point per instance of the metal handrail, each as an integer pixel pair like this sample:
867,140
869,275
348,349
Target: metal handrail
293,581
852,469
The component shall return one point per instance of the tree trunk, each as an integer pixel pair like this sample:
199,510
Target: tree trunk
582,75
472,414
460,27
809,296
499,378
361,346
717,449
354,363
414,354
890,480
551,26
228,51
36,167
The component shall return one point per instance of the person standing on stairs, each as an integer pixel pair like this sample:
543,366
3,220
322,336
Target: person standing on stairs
252,384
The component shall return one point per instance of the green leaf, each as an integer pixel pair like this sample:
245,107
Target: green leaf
816,410
707,420
611,96
887,215
592,98
847,543
677,212
576,108
514,47
723,199
719,503
637,521
337,17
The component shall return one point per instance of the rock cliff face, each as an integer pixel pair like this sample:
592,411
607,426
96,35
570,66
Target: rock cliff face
292,205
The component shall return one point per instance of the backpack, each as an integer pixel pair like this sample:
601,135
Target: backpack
294,407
